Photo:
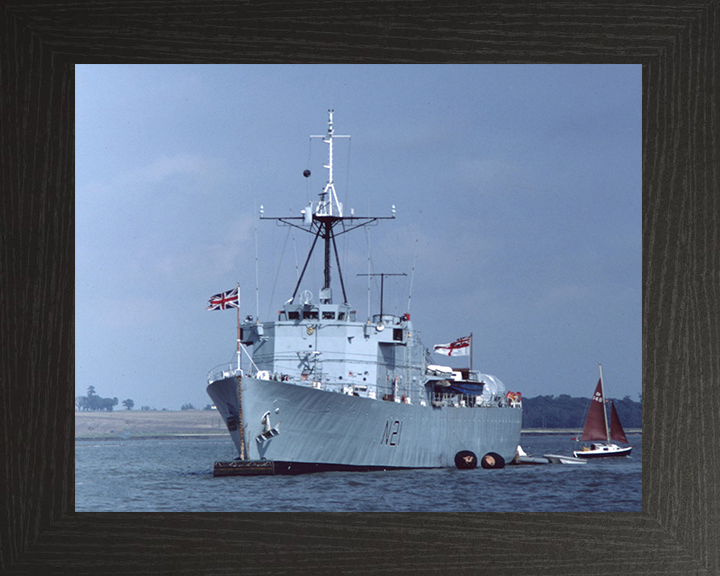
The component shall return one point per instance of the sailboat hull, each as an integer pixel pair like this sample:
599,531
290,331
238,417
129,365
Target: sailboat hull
603,451
304,429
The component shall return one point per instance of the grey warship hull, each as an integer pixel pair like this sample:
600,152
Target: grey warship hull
325,390
303,429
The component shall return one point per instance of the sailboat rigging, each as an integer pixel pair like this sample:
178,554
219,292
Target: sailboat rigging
596,429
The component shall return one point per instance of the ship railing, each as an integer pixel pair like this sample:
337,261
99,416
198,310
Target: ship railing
400,394
439,399
223,371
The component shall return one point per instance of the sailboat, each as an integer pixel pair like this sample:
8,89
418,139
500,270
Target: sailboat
596,429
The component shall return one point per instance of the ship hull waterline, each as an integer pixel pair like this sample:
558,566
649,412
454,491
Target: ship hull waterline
303,429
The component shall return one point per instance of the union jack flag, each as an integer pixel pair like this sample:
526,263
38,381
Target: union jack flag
225,300
460,347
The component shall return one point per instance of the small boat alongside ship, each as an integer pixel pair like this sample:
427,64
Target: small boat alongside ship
522,458
325,390
561,459
596,429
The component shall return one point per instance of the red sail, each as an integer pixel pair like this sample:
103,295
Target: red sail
595,424
616,430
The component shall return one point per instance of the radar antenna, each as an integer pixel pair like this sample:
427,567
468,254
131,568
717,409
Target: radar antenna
382,282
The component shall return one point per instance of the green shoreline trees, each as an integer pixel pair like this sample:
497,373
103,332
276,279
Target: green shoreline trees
94,402
566,412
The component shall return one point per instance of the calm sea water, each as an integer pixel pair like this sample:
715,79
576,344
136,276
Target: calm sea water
176,476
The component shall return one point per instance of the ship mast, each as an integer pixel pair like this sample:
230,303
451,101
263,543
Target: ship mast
321,219
329,202
328,213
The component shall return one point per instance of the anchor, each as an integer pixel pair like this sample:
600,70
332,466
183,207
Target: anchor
269,431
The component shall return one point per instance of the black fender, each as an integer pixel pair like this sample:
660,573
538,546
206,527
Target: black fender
492,460
465,460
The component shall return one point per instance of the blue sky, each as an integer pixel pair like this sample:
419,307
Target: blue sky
517,190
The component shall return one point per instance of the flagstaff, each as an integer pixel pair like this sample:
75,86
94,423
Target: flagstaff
238,317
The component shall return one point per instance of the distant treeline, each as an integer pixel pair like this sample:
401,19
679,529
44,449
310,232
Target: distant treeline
566,412
94,402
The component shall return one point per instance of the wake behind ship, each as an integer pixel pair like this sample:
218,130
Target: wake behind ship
326,391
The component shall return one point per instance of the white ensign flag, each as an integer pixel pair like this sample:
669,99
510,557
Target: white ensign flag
460,347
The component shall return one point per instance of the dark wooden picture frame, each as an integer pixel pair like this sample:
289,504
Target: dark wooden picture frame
677,45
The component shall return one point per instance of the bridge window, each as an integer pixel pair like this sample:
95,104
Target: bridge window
328,315
310,314
294,315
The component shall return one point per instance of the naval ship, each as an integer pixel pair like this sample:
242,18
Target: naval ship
323,390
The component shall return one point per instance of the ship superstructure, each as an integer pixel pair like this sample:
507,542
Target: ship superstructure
325,390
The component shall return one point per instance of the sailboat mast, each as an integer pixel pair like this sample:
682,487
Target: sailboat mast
602,390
